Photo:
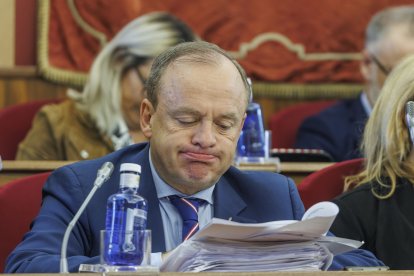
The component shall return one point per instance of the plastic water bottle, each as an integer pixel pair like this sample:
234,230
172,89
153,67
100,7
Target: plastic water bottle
126,212
252,139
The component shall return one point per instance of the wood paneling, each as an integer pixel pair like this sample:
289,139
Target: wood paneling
23,84
7,24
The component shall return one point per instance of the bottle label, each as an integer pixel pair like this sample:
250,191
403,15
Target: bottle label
140,219
141,213
129,180
130,216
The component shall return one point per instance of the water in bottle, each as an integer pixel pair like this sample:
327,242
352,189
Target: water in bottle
126,213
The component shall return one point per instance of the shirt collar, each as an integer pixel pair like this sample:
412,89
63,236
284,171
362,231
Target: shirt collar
164,190
365,103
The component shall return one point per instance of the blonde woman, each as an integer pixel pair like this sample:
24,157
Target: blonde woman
105,116
379,210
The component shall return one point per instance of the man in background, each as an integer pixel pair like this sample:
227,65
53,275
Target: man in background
338,129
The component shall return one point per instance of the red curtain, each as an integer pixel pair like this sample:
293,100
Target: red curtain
331,33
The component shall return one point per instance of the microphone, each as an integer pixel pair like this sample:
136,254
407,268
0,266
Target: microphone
409,118
103,175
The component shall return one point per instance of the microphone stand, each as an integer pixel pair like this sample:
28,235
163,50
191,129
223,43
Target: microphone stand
103,174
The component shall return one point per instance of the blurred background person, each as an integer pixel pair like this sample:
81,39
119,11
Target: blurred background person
105,116
379,211
338,129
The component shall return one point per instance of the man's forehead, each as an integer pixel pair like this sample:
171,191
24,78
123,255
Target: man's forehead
217,69
184,62
198,92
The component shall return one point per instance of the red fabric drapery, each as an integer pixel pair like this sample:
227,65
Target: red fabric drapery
326,29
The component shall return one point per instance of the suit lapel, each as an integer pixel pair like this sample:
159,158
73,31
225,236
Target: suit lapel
148,191
228,204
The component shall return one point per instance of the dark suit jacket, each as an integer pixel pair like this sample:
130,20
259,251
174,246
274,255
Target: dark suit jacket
337,130
244,196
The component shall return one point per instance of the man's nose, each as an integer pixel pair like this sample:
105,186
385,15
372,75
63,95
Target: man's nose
205,135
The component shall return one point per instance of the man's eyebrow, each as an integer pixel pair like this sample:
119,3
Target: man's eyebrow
230,116
193,112
185,111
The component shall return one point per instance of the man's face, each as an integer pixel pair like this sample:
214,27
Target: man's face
393,47
195,128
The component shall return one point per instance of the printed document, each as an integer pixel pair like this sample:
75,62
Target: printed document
287,245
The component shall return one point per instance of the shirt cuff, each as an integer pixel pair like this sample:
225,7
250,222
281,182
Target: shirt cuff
156,259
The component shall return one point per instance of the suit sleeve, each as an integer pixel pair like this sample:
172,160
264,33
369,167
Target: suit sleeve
315,133
297,206
39,252
357,257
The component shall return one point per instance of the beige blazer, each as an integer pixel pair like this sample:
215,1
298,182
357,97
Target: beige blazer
62,132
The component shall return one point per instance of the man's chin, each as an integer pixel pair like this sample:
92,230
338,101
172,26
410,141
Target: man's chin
202,177
199,177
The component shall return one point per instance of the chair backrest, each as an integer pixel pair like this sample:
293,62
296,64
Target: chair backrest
20,202
327,183
15,122
285,123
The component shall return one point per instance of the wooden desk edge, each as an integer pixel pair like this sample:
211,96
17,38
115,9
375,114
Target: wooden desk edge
13,169
40,166
285,167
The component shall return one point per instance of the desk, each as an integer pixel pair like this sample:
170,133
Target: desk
14,169
296,170
307,273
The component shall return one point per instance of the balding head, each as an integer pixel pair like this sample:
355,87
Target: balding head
191,52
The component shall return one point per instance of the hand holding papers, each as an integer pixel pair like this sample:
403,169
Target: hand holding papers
278,245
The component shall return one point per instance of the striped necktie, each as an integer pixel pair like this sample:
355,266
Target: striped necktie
188,209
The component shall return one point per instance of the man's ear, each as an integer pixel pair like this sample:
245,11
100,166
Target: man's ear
365,65
146,112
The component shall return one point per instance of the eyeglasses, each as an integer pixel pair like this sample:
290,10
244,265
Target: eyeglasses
141,78
381,66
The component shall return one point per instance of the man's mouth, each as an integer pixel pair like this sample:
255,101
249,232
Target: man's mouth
199,157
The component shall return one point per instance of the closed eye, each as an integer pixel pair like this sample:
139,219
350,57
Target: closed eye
225,124
186,120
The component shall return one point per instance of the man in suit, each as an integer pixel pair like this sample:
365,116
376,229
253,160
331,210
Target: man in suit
338,129
193,114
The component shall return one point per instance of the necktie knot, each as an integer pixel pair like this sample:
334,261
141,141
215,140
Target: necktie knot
188,210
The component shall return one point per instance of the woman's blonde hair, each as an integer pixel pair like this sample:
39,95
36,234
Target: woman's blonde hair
386,142
138,42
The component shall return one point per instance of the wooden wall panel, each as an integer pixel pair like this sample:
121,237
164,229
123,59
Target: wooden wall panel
23,84
7,23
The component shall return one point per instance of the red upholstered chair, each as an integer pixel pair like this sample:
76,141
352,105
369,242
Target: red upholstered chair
15,122
327,183
285,123
20,202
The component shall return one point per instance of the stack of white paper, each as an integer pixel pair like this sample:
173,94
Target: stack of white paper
273,246
196,256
